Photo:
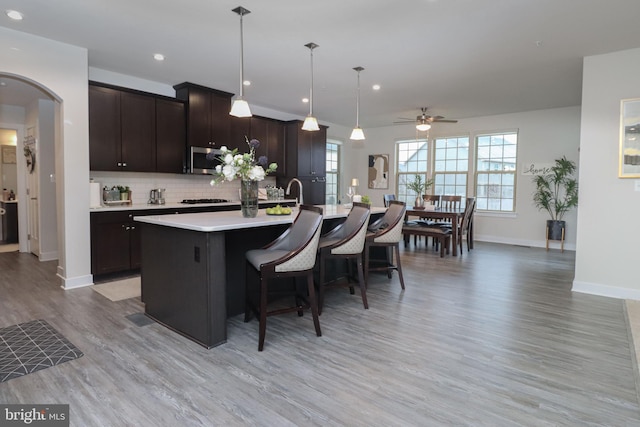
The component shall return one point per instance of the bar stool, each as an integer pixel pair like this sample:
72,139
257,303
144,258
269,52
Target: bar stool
291,255
345,241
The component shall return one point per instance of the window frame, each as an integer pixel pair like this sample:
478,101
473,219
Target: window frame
405,195
502,173
338,144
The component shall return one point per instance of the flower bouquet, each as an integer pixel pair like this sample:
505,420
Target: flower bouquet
245,167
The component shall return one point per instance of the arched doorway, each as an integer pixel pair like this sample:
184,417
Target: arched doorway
33,112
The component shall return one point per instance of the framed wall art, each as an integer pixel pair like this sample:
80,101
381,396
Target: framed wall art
8,154
629,138
378,171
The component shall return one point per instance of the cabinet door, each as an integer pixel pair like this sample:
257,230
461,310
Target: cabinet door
319,152
171,142
240,127
313,190
138,120
109,247
104,129
220,123
199,118
135,251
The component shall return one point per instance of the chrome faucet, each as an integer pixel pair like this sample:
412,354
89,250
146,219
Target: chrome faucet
300,201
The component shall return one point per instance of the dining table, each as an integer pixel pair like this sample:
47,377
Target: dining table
454,215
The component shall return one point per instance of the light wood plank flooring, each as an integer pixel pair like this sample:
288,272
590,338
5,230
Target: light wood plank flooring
492,338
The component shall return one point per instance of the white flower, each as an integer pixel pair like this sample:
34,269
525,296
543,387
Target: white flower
228,159
218,169
224,149
256,173
229,172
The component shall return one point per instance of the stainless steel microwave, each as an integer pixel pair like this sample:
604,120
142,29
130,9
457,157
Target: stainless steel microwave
204,160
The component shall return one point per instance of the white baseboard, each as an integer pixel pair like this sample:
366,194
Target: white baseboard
75,282
48,256
605,290
553,244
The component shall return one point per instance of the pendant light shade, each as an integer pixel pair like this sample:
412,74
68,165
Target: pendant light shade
240,107
311,123
357,134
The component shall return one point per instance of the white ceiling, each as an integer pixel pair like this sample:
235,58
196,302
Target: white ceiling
459,58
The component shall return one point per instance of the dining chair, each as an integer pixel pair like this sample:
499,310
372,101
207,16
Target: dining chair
345,242
466,224
387,233
291,255
450,202
386,198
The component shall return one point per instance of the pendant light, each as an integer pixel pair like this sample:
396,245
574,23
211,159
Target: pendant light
240,107
311,123
357,134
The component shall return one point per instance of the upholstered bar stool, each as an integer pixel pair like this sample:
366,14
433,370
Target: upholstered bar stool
345,242
387,233
292,254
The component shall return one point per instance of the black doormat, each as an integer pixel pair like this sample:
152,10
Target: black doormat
29,347
140,319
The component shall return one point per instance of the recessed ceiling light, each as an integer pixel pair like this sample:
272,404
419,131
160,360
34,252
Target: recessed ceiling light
305,100
376,87
246,83
15,15
158,57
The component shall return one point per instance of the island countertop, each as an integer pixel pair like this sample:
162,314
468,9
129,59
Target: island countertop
233,220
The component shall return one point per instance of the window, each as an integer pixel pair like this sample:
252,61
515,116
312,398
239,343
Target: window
496,171
333,172
451,166
411,160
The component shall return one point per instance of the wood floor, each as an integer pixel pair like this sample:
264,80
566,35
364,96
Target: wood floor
492,338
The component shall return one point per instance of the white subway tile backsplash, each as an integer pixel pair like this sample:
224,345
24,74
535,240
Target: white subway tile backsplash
178,187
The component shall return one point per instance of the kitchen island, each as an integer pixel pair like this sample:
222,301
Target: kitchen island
193,266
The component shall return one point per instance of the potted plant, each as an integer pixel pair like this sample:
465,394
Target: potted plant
124,192
419,186
557,193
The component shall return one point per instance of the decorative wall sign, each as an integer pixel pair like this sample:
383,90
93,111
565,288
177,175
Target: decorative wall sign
30,152
629,138
8,154
536,168
378,171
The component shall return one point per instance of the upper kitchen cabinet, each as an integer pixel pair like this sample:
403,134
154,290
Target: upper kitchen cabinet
105,143
171,136
306,151
208,120
138,131
269,132
134,131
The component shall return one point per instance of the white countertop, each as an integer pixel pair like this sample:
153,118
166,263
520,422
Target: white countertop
145,206
233,220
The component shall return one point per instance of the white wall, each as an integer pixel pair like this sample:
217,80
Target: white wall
542,137
61,70
47,214
607,253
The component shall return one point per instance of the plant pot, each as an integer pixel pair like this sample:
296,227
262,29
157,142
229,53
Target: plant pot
418,203
555,229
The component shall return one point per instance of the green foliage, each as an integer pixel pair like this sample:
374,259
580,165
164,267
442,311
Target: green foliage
366,199
557,190
419,186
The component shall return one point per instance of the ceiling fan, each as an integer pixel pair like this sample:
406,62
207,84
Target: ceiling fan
423,121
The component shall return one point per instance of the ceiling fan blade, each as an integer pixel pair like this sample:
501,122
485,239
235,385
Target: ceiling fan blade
445,121
404,121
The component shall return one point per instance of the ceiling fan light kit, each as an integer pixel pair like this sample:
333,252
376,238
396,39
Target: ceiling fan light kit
311,123
357,134
423,121
240,107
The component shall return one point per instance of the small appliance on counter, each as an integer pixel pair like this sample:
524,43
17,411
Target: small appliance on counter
156,196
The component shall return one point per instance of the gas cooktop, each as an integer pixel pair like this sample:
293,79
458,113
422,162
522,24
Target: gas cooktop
198,201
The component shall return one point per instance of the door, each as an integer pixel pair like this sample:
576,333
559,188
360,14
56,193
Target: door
33,227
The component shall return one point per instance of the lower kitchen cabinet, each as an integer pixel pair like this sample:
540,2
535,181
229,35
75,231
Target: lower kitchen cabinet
115,242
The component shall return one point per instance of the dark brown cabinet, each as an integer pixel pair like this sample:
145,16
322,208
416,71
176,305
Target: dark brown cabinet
208,119
306,160
115,242
9,222
171,136
136,132
270,133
